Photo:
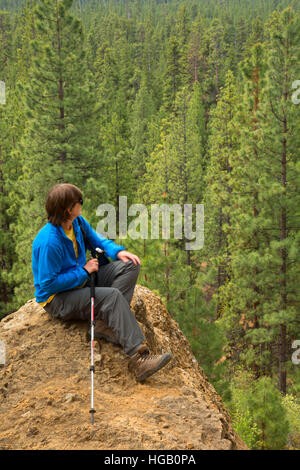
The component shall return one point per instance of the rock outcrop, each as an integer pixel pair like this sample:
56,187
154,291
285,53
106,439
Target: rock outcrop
45,388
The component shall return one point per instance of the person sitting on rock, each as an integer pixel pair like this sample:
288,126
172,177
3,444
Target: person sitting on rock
62,281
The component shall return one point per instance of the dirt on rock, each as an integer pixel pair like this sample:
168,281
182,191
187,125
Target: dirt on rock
45,388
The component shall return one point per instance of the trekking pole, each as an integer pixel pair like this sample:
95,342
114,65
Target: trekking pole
92,367
101,260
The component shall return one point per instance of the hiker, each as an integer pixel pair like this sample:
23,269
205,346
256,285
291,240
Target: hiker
62,279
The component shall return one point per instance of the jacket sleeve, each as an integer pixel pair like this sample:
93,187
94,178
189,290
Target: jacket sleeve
50,277
99,241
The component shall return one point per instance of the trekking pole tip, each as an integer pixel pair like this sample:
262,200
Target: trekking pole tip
92,411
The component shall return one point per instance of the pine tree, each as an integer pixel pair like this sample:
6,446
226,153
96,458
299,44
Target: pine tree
59,142
8,133
216,57
218,198
172,177
6,246
175,166
246,241
283,142
196,52
257,34
174,75
142,112
240,38
261,297
4,40
265,404
186,152
116,91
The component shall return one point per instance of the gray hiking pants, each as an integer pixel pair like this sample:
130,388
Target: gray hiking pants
115,284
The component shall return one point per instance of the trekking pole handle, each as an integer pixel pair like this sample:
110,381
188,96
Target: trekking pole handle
92,284
93,276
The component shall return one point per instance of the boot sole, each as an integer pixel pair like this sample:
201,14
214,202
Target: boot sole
164,361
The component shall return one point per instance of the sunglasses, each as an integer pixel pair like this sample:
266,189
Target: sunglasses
80,202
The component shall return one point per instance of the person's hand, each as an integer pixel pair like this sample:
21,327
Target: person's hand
91,266
125,256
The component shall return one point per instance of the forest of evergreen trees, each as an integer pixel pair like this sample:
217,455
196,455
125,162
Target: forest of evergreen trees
175,102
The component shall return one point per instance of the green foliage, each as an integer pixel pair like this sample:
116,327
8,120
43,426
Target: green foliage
259,411
241,386
266,407
292,407
58,143
244,425
170,103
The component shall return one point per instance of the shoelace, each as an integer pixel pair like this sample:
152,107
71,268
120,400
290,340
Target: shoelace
148,357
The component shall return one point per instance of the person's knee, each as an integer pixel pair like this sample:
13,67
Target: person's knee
133,266
115,291
109,292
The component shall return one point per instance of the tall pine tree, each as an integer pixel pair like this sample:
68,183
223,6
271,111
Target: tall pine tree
59,143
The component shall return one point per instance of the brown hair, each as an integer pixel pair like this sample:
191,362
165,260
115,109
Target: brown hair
59,199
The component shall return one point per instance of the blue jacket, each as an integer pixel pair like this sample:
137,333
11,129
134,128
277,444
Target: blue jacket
54,265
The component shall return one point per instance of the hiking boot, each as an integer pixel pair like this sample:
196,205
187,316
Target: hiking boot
102,331
143,364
